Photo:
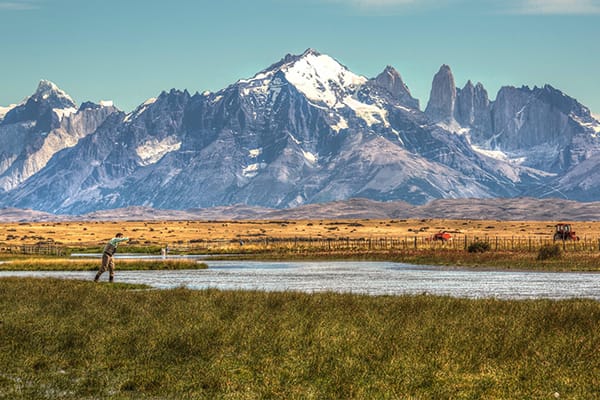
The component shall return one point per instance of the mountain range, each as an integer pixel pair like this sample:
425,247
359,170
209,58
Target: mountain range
513,209
304,130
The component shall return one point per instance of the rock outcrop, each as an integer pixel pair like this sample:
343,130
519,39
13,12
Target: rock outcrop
442,100
391,81
473,110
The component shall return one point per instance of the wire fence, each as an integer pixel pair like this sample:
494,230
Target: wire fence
496,243
304,244
34,249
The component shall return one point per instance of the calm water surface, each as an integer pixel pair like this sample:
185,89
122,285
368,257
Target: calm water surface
375,278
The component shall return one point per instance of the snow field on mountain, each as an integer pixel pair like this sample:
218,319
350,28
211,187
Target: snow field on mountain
64,112
152,150
320,78
5,110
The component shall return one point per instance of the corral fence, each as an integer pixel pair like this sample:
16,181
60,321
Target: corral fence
496,243
47,249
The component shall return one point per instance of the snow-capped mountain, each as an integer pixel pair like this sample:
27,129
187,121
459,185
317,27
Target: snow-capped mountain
32,132
304,130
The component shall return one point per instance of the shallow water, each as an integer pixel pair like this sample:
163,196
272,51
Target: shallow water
375,278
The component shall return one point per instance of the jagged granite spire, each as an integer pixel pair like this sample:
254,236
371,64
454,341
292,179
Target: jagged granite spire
391,81
442,99
472,108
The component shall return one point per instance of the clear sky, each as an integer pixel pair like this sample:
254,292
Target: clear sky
130,50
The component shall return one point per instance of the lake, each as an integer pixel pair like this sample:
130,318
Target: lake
374,278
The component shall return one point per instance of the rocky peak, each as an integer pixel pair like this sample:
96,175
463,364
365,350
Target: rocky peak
287,61
472,108
442,98
464,112
48,91
44,107
566,104
89,105
319,77
554,130
310,51
391,81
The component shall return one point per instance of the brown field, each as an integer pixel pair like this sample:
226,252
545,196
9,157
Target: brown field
174,233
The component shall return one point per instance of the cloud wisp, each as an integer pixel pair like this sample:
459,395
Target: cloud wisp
518,7
18,5
558,7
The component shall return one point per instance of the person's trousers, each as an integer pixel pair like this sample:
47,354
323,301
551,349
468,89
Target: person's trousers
107,264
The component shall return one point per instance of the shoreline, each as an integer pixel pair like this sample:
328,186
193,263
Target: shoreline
490,261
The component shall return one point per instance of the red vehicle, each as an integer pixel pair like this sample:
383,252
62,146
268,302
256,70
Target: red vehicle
564,232
442,236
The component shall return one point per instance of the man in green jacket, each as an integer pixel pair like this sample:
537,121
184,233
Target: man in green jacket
107,257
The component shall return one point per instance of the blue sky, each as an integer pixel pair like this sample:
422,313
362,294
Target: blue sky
130,50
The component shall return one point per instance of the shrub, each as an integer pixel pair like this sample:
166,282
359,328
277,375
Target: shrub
549,251
479,247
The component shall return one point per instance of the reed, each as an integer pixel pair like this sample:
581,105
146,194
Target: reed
62,264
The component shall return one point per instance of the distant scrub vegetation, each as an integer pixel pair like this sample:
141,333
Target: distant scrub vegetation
549,251
479,247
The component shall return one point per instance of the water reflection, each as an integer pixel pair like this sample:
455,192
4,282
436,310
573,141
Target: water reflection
375,278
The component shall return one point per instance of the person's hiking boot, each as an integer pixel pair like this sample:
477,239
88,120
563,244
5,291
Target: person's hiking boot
111,279
96,277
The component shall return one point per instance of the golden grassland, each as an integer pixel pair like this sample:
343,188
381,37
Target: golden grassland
513,244
160,233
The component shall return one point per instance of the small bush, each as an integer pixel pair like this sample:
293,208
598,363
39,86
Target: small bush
549,251
479,247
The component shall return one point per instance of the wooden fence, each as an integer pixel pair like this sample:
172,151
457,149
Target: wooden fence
34,249
496,243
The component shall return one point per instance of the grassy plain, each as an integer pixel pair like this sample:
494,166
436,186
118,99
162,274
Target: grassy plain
77,340
514,243
160,233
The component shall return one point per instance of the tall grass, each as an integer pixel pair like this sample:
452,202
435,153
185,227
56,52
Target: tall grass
61,264
76,340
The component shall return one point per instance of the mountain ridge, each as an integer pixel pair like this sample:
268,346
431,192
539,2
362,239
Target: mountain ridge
506,209
304,130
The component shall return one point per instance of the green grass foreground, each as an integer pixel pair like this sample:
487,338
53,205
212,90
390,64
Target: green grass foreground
79,340
62,264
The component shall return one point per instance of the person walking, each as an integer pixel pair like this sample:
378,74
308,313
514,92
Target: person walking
107,257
